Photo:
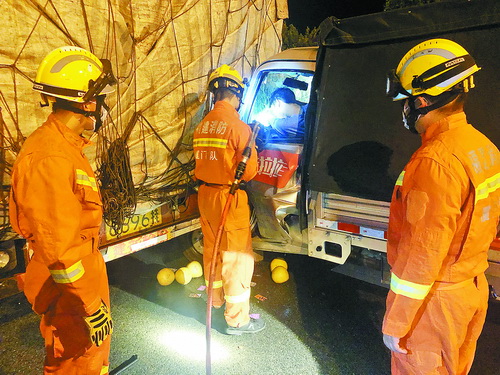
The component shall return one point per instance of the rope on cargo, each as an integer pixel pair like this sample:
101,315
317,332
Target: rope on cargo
120,192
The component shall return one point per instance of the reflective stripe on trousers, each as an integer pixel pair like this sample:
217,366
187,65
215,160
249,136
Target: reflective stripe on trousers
443,339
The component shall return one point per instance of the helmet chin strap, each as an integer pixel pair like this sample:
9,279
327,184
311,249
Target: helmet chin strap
96,115
426,104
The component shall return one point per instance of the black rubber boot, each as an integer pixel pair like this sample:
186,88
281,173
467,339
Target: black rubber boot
253,326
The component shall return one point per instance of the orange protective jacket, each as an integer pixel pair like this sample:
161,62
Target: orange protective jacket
55,204
218,144
443,217
219,141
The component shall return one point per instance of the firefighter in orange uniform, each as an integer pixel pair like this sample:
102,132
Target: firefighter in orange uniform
219,141
55,204
443,217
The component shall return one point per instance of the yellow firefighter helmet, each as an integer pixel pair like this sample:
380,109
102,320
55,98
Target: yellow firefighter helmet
432,67
226,76
74,74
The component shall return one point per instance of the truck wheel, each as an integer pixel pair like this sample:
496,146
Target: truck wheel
8,259
196,242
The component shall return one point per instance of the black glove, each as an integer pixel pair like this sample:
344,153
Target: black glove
100,325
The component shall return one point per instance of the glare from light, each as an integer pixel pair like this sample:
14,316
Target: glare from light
192,345
265,117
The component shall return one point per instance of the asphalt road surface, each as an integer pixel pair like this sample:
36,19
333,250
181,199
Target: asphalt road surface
318,322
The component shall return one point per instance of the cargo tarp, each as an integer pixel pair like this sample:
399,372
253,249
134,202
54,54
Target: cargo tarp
161,52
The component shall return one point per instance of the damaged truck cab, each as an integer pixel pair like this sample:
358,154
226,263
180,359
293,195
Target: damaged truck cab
335,225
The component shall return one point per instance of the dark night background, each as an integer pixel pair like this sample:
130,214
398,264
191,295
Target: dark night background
304,13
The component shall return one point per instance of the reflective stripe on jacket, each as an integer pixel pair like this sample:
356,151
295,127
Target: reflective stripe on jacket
55,204
443,217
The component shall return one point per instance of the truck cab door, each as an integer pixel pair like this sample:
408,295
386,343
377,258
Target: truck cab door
274,191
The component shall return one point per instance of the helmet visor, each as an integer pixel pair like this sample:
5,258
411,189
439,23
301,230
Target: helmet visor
394,89
103,83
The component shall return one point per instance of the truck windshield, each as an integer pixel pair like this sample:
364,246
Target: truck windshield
280,103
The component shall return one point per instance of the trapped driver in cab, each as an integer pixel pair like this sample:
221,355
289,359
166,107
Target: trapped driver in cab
285,115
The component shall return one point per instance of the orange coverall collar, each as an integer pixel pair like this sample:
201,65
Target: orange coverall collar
221,104
447,123
76,140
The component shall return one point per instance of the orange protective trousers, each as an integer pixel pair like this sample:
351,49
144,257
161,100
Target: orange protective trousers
455,317
235,262
67,346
